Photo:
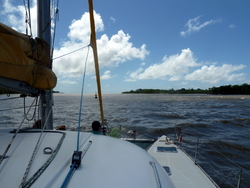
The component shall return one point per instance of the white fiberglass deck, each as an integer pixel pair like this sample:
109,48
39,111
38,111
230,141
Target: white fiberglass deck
183,172
108,162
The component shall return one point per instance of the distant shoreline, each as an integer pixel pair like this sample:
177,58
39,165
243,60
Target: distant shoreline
243,89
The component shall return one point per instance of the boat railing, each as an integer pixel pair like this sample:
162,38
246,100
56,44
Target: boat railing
210,160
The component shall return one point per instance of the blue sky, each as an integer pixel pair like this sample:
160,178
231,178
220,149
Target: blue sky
160,44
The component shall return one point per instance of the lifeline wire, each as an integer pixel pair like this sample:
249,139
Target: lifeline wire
9,98
14,136
16,108
72,168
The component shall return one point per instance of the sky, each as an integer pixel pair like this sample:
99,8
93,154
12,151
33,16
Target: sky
163,44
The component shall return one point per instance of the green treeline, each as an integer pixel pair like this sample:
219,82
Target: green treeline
243,89
170,91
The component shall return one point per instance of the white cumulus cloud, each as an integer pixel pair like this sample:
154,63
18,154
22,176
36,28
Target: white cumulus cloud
106,75
111,51
214,74
180,67
174,67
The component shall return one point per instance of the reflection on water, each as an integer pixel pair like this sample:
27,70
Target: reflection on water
221,121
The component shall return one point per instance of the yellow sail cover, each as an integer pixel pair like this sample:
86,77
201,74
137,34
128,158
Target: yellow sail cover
25,59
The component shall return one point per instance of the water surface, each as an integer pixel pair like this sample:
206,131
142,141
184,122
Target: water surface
220,122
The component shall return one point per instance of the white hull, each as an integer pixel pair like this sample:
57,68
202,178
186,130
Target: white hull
183,172
108,162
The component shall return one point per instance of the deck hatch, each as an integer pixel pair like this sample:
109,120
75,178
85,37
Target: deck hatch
166,149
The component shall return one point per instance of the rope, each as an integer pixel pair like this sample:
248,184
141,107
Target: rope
14,136
56,17
24,111
72,169
74,166
37,174
71,52
34,153
69,175
28,17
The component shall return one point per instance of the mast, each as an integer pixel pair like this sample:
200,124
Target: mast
44,32
94,46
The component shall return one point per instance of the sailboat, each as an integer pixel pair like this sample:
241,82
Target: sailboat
54,158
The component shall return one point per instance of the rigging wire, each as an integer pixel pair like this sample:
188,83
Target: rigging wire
74,165
71,52
56,18
80,110
49,23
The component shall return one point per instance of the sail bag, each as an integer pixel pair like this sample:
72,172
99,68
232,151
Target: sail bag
25,59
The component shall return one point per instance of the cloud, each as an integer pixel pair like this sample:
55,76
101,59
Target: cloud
214,74
180,67
232,26
174,67
79,29
70,82
112,19
106,75
133,76
193,25
13,15
111,51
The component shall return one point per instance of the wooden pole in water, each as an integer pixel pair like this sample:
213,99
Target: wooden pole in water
94,46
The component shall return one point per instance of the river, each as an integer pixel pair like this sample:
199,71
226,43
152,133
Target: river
221,122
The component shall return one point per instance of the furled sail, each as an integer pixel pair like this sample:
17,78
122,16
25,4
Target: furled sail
25,59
